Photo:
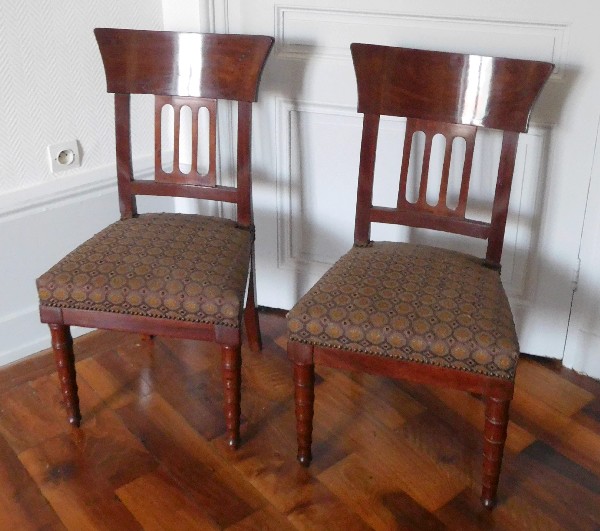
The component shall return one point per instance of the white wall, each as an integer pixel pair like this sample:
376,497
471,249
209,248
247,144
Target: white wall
53,90
582,351
186,15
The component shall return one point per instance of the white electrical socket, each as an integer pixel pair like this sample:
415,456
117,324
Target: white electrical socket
64,156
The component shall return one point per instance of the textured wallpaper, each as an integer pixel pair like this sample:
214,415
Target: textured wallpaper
52,86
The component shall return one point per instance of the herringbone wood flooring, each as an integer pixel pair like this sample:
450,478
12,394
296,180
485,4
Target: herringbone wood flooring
387,455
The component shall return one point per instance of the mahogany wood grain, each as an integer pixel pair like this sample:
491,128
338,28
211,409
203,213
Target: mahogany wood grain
304,383
439,94
388,454
62,344
217,193
494,436
447,87
232,373
154,499
251,320
183,70
418,373
22,505
127,201
166,63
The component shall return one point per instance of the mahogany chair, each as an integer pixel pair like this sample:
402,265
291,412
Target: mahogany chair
416,312
179,275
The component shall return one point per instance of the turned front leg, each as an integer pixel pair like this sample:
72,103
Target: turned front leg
304,396
496,422
62,344
232,379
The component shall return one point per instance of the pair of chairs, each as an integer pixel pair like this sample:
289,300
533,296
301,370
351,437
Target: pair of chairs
397,309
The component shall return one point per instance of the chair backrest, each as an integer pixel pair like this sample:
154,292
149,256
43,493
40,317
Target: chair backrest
183,70
449,94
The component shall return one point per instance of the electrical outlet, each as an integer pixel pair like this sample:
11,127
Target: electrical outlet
64,156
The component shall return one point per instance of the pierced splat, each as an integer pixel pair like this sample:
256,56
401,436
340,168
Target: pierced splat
196,175
450,132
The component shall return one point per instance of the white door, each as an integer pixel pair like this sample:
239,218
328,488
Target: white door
307,136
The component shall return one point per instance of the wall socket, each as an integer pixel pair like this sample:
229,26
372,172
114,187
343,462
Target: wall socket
64,156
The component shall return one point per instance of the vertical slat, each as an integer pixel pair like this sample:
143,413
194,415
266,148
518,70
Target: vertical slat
212,147
127,203
443,197
195,137
364,196
408,138
176,134
158,107
244,186
422,201
466,174
506,169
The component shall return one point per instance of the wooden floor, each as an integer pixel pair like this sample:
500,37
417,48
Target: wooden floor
387,455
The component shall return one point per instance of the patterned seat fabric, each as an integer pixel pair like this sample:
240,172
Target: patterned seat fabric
412,303
172,266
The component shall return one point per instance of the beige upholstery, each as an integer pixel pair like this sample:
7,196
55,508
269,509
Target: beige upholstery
412,303
173,266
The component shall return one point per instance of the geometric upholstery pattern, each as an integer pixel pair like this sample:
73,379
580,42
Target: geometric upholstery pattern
172,266
412,303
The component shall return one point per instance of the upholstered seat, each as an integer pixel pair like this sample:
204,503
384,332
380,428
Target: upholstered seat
170,266
414,303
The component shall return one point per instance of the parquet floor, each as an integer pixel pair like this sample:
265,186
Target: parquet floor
387,455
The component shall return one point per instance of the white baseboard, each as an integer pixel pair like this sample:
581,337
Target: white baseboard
25,335
40,225
582,353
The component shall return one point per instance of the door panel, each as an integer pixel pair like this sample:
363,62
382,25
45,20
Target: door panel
307,136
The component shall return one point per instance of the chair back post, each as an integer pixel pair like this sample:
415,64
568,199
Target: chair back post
127,201
449,94
364,194
506,169
244,165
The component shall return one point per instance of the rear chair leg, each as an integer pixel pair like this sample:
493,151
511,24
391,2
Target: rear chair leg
251,314
496,422
232,375
304,395
62,344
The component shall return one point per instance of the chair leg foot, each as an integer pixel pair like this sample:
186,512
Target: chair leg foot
488,503
232,372
304,460
62,344
304,396
496,423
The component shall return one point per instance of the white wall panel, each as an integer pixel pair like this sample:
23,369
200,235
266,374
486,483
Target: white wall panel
302,31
